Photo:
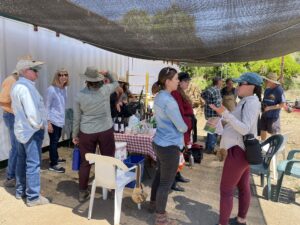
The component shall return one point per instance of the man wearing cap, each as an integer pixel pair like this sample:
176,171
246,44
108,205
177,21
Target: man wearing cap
273,101
9,119
29,127
212,95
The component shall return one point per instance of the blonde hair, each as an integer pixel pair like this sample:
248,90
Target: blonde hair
56,82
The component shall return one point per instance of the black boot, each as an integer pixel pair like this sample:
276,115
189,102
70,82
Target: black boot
180,178
176,187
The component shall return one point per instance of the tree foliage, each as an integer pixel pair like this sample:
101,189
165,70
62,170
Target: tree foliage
203,75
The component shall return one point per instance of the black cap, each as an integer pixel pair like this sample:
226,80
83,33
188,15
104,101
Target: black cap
183,76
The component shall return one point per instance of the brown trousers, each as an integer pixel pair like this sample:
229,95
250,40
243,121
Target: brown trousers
88,144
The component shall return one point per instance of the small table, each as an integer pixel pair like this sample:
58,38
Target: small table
137,143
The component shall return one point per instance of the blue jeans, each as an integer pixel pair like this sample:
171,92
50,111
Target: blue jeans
9,120
54,138
28,167
211,141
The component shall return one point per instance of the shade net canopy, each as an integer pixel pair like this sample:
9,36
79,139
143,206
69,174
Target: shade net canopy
203,31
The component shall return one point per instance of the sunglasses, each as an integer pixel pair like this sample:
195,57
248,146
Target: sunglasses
63,74
243,83
34,70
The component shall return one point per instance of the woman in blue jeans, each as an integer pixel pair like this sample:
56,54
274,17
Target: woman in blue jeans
168,140
55,105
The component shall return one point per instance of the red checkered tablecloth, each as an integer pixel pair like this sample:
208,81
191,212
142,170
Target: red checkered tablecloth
140,144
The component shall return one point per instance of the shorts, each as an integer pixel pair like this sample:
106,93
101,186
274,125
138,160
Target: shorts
271,125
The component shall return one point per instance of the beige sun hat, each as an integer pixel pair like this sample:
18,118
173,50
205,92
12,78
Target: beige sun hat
272,77
26,63
122,80
92,74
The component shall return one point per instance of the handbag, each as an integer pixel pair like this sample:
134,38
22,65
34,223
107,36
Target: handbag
252,147
138,195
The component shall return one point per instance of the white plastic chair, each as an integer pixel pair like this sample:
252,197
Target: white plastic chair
110,173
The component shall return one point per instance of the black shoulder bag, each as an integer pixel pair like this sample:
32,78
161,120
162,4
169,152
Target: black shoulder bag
252,147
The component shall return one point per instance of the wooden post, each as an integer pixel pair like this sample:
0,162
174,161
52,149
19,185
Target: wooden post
146,90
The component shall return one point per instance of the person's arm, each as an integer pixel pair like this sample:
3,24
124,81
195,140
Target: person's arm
32,113
5,99
178,98
110,88
76,119
249,117
49,99
172,111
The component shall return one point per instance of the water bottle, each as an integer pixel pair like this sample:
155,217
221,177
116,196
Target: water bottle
76,159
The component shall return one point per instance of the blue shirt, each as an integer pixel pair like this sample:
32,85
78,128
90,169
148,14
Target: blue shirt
55,105
273,96
170,125
29,109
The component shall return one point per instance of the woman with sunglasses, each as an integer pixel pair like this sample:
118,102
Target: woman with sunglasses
241,121
167,142
55,106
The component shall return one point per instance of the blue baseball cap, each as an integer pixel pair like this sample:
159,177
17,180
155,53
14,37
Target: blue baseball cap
250,78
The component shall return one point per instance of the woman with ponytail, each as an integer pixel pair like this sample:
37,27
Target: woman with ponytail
167,142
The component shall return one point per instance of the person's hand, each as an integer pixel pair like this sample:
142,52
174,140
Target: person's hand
103,72
219,110
75,141
266,109
118,106
50,128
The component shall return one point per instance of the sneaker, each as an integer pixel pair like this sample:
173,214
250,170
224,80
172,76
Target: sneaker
20,196
41,201
83,195
57,169
10,183
61,160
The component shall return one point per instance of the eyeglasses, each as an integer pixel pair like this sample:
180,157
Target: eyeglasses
34,70
63,74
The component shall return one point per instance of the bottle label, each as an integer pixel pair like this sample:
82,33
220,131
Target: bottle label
116,127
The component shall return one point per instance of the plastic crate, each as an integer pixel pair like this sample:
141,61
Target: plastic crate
132,161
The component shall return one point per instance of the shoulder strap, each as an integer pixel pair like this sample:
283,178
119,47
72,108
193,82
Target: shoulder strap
242,110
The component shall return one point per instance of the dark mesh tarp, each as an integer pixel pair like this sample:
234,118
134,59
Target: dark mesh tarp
184,30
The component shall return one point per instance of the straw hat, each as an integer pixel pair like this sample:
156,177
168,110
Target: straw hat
122,80
26,63
272,77
92,74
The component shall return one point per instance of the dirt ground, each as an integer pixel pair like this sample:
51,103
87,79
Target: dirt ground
198,205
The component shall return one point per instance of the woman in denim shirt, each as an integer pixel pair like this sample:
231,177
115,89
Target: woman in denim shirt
55,106
167,142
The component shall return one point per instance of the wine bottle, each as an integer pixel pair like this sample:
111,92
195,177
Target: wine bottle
122,125
116,125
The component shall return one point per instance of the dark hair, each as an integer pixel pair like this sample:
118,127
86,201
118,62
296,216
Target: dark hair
216,80
94,85
228,79
257,91
165,74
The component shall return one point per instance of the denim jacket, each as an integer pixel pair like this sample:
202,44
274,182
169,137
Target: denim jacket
170,125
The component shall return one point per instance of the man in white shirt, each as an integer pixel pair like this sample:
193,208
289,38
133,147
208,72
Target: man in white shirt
29,127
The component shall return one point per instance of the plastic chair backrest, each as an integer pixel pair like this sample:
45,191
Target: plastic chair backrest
105,169
275,143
